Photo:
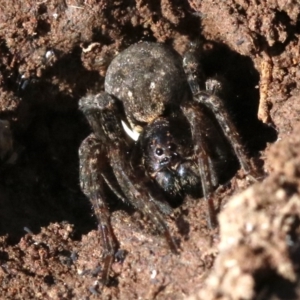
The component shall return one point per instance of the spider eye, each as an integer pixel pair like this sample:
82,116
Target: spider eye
159,151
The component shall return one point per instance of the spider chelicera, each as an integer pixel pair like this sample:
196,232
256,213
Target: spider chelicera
152,90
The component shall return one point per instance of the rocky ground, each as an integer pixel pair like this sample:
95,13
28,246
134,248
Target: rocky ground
51,54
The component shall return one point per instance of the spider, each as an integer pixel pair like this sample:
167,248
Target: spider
152,91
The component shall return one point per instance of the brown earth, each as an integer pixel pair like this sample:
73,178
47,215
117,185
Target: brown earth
52,53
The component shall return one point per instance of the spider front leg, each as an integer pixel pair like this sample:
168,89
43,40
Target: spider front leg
106,153
95,170
215,104
210,99
92,157
194,114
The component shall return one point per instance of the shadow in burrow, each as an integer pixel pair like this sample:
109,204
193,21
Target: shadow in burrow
43,186
240,94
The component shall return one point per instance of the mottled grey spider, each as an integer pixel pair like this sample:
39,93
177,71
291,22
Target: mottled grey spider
150,90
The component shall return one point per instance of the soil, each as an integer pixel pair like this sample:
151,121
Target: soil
51,54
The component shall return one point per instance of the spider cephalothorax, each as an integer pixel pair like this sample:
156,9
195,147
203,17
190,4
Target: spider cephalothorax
179,150
168,155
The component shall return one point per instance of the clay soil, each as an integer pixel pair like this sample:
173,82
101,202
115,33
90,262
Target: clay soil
51,54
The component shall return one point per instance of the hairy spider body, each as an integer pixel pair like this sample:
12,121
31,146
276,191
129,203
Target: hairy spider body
168,156
179,149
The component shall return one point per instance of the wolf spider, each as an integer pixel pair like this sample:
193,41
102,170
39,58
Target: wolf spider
149,89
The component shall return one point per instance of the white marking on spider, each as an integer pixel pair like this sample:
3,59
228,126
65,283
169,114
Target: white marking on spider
131,133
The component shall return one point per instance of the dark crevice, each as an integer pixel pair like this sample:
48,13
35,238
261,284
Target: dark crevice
241,96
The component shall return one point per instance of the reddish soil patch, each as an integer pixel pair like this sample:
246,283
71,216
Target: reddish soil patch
51,54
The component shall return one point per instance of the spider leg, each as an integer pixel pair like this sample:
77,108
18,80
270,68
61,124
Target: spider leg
213,86
103,114
92,157
194,114
215,104
135,186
